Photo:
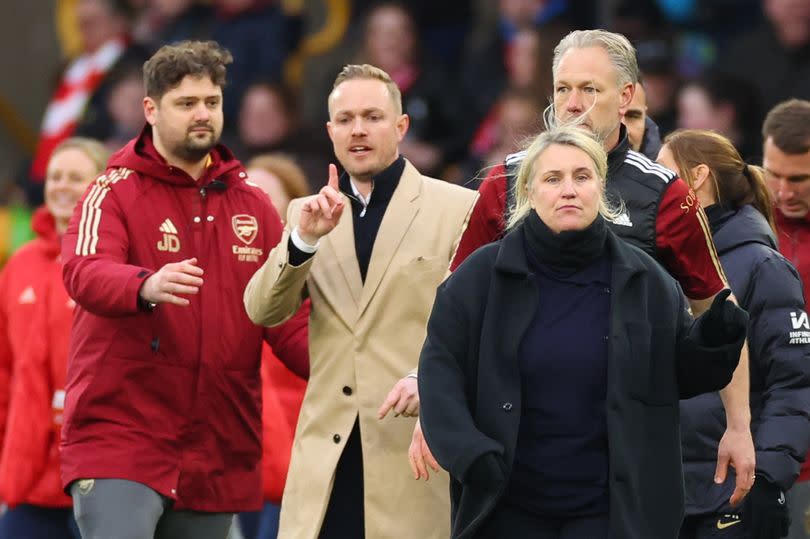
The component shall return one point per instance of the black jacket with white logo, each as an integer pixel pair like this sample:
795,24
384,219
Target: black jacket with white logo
768,287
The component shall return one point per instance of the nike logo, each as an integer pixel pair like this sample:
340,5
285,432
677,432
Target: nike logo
735,519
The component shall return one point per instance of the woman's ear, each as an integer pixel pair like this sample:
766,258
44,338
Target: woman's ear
700,173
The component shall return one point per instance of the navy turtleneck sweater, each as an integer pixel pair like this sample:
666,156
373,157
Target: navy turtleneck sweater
561,459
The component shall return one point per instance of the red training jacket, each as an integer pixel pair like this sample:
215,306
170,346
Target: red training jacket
36,318
170,398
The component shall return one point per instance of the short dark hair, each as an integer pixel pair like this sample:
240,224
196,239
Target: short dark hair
167,68
788,124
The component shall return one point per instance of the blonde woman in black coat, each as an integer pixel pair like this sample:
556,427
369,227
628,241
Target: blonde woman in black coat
554,363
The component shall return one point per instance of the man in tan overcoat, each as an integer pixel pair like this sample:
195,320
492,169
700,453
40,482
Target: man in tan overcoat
369,250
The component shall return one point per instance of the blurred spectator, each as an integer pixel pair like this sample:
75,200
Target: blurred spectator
775,58
726,105
268,123
260,37
439,126
280,177
656,61
642,132
282,391
125,107
167,21
517,52
78,103
528,72
442,26
514,118
35,320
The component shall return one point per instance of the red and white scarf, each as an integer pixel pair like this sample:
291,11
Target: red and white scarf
66,107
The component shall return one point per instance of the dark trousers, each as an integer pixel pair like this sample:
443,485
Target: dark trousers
726,526
345,515
33,522
510,521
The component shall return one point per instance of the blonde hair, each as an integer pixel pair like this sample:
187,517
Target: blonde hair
621,52
368,71
92,148
563,136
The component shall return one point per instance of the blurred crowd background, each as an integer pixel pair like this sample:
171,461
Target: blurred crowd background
475,74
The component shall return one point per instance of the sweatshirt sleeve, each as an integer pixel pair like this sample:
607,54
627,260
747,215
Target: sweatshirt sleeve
95,251
486,222
290,341
685,245
779,340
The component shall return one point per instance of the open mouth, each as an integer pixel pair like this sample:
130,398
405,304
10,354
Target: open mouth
359,149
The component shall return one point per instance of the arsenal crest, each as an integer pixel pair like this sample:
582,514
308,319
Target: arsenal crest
245,227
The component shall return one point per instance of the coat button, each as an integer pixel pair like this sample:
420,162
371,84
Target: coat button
347,390
197,219
507,407
336,438
209,218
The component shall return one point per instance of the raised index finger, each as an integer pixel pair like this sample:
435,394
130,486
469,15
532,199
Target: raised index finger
333,177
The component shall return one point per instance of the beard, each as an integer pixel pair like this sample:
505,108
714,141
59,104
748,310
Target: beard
194,147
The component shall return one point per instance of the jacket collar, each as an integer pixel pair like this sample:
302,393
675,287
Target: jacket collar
617,155
511,257
385,183
44,226
141,156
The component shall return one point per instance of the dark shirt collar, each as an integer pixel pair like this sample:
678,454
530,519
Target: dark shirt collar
718,216
385,183
619,152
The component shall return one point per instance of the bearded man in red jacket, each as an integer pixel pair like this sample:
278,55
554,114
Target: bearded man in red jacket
162,429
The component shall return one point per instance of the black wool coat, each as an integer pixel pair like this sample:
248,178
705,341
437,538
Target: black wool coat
470,391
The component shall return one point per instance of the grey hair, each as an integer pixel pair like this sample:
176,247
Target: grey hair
566,136
622,54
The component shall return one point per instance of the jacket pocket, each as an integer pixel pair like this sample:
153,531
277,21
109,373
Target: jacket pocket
650,367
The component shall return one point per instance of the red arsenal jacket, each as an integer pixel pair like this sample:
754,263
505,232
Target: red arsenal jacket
170,398
35,319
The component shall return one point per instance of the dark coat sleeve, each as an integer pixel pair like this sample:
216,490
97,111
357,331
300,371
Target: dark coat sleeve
444,381
780,362
700,367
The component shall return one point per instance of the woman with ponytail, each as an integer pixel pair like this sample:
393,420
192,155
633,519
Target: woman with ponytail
739,212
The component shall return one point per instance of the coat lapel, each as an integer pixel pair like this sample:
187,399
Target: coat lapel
341,242
396,222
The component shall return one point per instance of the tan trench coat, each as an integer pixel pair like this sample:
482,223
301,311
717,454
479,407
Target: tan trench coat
366,336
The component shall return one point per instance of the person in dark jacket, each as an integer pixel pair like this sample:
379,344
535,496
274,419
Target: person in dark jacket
642,132
740,211
554,362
